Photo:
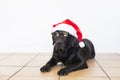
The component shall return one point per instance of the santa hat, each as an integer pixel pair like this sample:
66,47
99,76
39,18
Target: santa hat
69,26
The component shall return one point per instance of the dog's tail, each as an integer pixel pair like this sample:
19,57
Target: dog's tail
89,45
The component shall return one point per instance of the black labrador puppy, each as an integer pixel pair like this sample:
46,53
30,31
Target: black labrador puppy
68,51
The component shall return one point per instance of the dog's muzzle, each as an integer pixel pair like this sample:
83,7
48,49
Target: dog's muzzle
59,46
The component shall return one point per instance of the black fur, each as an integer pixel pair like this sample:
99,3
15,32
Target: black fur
67,50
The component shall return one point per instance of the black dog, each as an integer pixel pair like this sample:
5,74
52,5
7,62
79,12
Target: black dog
68,51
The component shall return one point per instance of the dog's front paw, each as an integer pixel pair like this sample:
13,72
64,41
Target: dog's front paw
45,69
63,72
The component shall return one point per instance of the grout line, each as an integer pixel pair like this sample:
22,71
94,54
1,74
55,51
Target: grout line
59,78
103,69
22,67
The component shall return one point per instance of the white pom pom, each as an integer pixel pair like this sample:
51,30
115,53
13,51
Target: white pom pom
82,44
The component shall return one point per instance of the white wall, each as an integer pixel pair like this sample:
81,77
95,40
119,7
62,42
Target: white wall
25,25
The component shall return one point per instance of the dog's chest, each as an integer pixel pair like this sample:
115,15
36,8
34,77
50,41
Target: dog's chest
65,60
61,59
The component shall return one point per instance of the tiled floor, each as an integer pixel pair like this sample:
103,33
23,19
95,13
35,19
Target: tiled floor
26,67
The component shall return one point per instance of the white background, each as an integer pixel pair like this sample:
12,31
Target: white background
25,25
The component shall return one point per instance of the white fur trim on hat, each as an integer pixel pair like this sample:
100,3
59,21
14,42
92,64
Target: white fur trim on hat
81,44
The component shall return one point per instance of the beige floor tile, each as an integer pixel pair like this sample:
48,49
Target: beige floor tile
46,54
106,54
113,72
26,54
118,54
6,54
3,56
35,72
115,78
8,70
109,63
108,58
82,78
16,60
4,77
35,78
39,61
90,72
92,63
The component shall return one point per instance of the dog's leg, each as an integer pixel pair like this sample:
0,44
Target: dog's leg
47,67
69,60
73,67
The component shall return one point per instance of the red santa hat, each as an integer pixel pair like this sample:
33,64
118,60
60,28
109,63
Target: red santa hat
69,26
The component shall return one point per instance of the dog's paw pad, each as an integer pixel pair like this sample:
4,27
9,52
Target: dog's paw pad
62,72
45,69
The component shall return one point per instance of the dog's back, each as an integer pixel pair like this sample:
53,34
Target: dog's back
88,49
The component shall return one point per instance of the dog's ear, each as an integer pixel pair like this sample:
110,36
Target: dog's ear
73,41
53,38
